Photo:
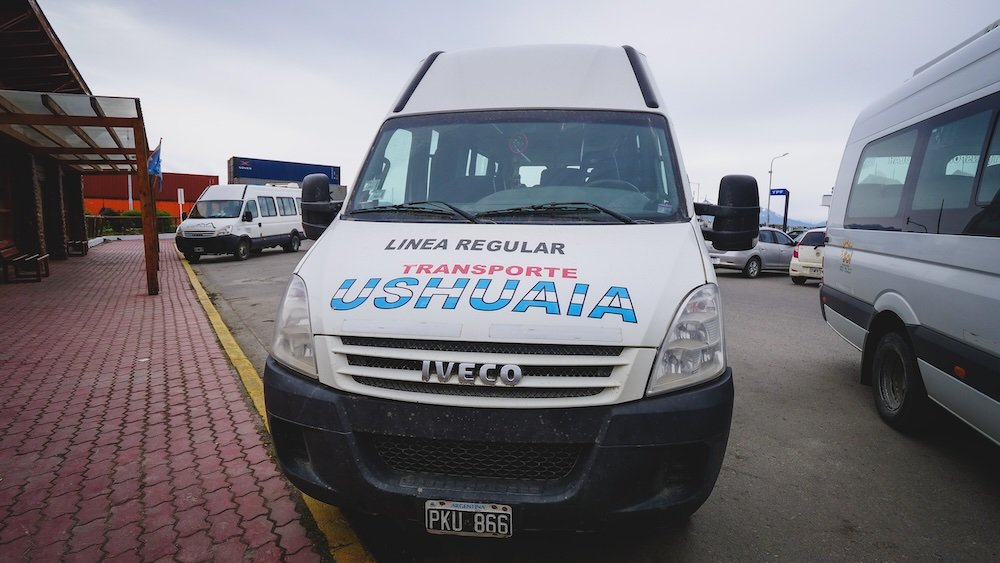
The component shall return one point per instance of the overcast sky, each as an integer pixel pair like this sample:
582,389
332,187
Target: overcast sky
311,81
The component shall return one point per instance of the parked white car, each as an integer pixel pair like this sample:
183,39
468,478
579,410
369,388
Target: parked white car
772,253
807,257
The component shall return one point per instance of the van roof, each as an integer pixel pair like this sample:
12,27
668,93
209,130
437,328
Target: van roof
236,191
527,77
962,74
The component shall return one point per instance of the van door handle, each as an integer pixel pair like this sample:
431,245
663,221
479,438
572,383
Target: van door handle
260,224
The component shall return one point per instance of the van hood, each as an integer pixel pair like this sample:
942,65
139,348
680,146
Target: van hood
573,284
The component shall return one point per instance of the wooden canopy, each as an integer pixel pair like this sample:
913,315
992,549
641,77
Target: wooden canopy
91,135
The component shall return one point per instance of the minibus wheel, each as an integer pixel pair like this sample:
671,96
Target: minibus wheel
243,249
193,257
293,243
899,392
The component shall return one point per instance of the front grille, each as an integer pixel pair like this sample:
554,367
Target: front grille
490,460
479,390
199,234
526,371
484,347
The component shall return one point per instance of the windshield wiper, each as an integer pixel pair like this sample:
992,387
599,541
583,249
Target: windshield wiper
432,207
558,207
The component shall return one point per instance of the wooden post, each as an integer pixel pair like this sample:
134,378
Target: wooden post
148,202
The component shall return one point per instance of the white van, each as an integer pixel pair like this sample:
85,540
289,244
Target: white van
912,266
511,324
241,220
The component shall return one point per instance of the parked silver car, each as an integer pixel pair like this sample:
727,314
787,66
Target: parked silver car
772,253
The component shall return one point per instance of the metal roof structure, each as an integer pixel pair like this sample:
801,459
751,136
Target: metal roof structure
89,134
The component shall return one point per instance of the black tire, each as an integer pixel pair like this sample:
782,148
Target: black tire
798,280
293,244
193,257
898,389
242,249
752,268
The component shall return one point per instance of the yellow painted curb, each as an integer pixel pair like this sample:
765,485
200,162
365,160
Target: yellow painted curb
345,547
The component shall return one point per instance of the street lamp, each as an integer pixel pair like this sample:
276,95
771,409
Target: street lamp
770,173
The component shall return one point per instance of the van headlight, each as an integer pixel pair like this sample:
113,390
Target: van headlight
180,232
693,350
293,337
224,231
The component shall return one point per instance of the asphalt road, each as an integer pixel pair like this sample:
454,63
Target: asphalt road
811,472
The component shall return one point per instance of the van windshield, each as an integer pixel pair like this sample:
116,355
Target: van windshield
216,209
522,167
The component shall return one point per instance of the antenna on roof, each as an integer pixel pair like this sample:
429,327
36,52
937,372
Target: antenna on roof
975,36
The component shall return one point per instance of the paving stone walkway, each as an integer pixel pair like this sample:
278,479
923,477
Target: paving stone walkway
124,432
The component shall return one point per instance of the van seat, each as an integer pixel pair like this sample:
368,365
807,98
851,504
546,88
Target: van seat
558,176
465,189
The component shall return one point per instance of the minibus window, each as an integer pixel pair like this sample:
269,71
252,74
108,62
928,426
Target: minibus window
484,162
216,209
286,205
252,208
948,168
877,192
267,208
989,185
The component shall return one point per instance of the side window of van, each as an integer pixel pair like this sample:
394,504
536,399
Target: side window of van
986,221
942,195
877,192
252,208
286,205
989,185
267,208
298,205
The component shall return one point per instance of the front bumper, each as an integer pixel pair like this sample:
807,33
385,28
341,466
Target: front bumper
377,456
225,244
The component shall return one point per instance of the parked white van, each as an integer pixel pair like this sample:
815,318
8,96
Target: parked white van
912,266
512,323
241,220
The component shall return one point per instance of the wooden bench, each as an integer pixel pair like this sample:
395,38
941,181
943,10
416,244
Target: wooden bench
24,267
77,247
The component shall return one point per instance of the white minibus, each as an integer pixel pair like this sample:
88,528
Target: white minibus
241,220
912,266
512,323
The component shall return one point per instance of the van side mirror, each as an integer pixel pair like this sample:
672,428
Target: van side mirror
737,217
247,217
318,207
184,215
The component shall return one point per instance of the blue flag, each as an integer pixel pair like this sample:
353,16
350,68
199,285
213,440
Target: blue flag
153,164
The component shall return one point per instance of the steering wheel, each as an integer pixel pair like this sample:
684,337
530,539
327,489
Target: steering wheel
612,183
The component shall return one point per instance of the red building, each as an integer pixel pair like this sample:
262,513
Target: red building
111,192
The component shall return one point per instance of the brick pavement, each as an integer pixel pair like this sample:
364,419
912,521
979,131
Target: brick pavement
124,432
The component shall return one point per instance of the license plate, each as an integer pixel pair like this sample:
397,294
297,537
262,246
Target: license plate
199,249
468,518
